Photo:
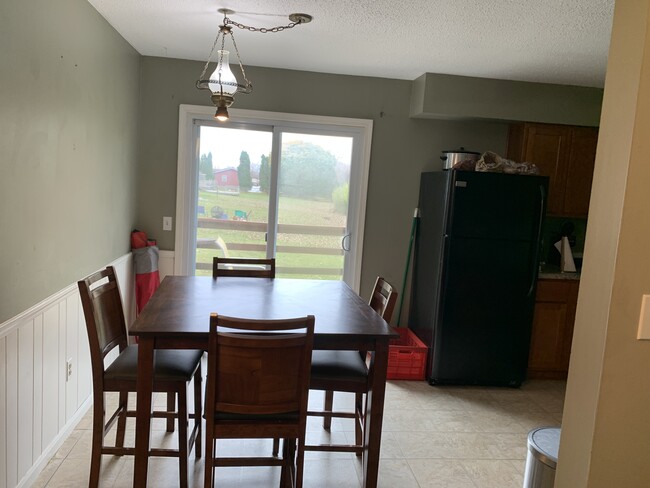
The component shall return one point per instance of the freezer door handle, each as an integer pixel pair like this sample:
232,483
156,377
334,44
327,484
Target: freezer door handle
535,257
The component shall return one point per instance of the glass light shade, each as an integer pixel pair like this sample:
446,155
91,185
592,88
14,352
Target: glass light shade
222,73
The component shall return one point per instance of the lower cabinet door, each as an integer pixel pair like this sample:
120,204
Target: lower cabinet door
552,334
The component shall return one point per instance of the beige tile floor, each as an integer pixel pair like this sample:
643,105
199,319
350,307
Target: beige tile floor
443,437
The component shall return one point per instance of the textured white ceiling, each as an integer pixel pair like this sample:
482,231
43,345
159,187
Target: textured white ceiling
553,41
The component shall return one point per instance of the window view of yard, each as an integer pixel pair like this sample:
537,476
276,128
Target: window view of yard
233,201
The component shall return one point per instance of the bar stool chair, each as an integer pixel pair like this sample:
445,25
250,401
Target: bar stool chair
173,370
347,371
257,387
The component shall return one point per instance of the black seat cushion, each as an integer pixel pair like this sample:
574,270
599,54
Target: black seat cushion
338,365
170,365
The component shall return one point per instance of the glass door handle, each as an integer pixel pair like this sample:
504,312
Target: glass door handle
346,249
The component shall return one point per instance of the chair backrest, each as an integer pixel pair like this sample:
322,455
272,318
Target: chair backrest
259,367
383,298
100,298
243,267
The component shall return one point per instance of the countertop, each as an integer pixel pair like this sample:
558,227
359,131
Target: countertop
550,272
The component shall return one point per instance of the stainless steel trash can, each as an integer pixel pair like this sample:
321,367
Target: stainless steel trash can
541,462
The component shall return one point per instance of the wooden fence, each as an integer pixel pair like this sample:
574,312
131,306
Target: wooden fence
261,227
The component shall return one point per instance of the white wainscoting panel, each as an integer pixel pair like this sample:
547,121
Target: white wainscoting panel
165,263
39,405
3,413
12,408
37,437
26,418
50,354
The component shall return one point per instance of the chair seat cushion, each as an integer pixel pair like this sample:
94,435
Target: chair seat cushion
170,365
338,366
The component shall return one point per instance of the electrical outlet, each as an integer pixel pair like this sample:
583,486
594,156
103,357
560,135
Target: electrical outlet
167,223
68,369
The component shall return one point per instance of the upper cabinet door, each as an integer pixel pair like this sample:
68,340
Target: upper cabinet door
580,171
565,154
547,146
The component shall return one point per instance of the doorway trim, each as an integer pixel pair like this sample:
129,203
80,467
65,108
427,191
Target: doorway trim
187,180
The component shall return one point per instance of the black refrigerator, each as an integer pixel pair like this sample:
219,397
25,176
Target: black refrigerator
475,272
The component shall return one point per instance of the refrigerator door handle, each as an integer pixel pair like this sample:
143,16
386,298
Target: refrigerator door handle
534,261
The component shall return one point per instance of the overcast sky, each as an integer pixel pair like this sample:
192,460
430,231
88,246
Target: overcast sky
227,144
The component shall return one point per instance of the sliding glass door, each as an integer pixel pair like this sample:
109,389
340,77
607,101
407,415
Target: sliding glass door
314,185
232,203
262,187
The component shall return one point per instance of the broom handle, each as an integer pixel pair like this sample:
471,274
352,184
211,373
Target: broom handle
416,216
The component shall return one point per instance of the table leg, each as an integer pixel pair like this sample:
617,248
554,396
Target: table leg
143,414
374,415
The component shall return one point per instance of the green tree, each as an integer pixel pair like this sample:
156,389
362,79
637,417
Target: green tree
205,166
244,172
308,171
265,173
340,197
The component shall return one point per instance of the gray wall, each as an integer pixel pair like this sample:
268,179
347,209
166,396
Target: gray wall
401,147
69,87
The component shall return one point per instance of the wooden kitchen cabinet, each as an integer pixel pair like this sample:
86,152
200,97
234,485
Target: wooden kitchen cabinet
566,154
550,345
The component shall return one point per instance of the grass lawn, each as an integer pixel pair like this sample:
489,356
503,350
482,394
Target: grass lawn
291,211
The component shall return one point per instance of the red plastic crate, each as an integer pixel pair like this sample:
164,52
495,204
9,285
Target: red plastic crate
407,356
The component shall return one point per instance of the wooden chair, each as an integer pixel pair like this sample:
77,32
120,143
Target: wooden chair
243,267
347,371
257,387
173,370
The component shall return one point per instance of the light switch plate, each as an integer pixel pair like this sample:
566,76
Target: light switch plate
644,319
167,223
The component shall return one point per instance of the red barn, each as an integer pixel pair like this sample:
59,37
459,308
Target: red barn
226,180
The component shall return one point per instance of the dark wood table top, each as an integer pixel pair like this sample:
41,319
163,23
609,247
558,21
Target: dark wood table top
183,304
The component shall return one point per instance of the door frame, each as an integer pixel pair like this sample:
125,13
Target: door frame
187,175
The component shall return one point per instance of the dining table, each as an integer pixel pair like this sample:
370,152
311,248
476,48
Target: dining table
178,315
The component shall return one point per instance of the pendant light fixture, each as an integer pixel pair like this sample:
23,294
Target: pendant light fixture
223,83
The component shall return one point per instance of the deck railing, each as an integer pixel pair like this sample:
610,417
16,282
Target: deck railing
261,227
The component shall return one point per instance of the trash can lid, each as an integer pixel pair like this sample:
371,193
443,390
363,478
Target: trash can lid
544,443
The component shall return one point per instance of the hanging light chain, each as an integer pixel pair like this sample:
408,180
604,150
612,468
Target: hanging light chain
241,66
223,44
216,41
263,30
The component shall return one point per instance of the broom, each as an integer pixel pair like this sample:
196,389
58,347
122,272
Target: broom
416,217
